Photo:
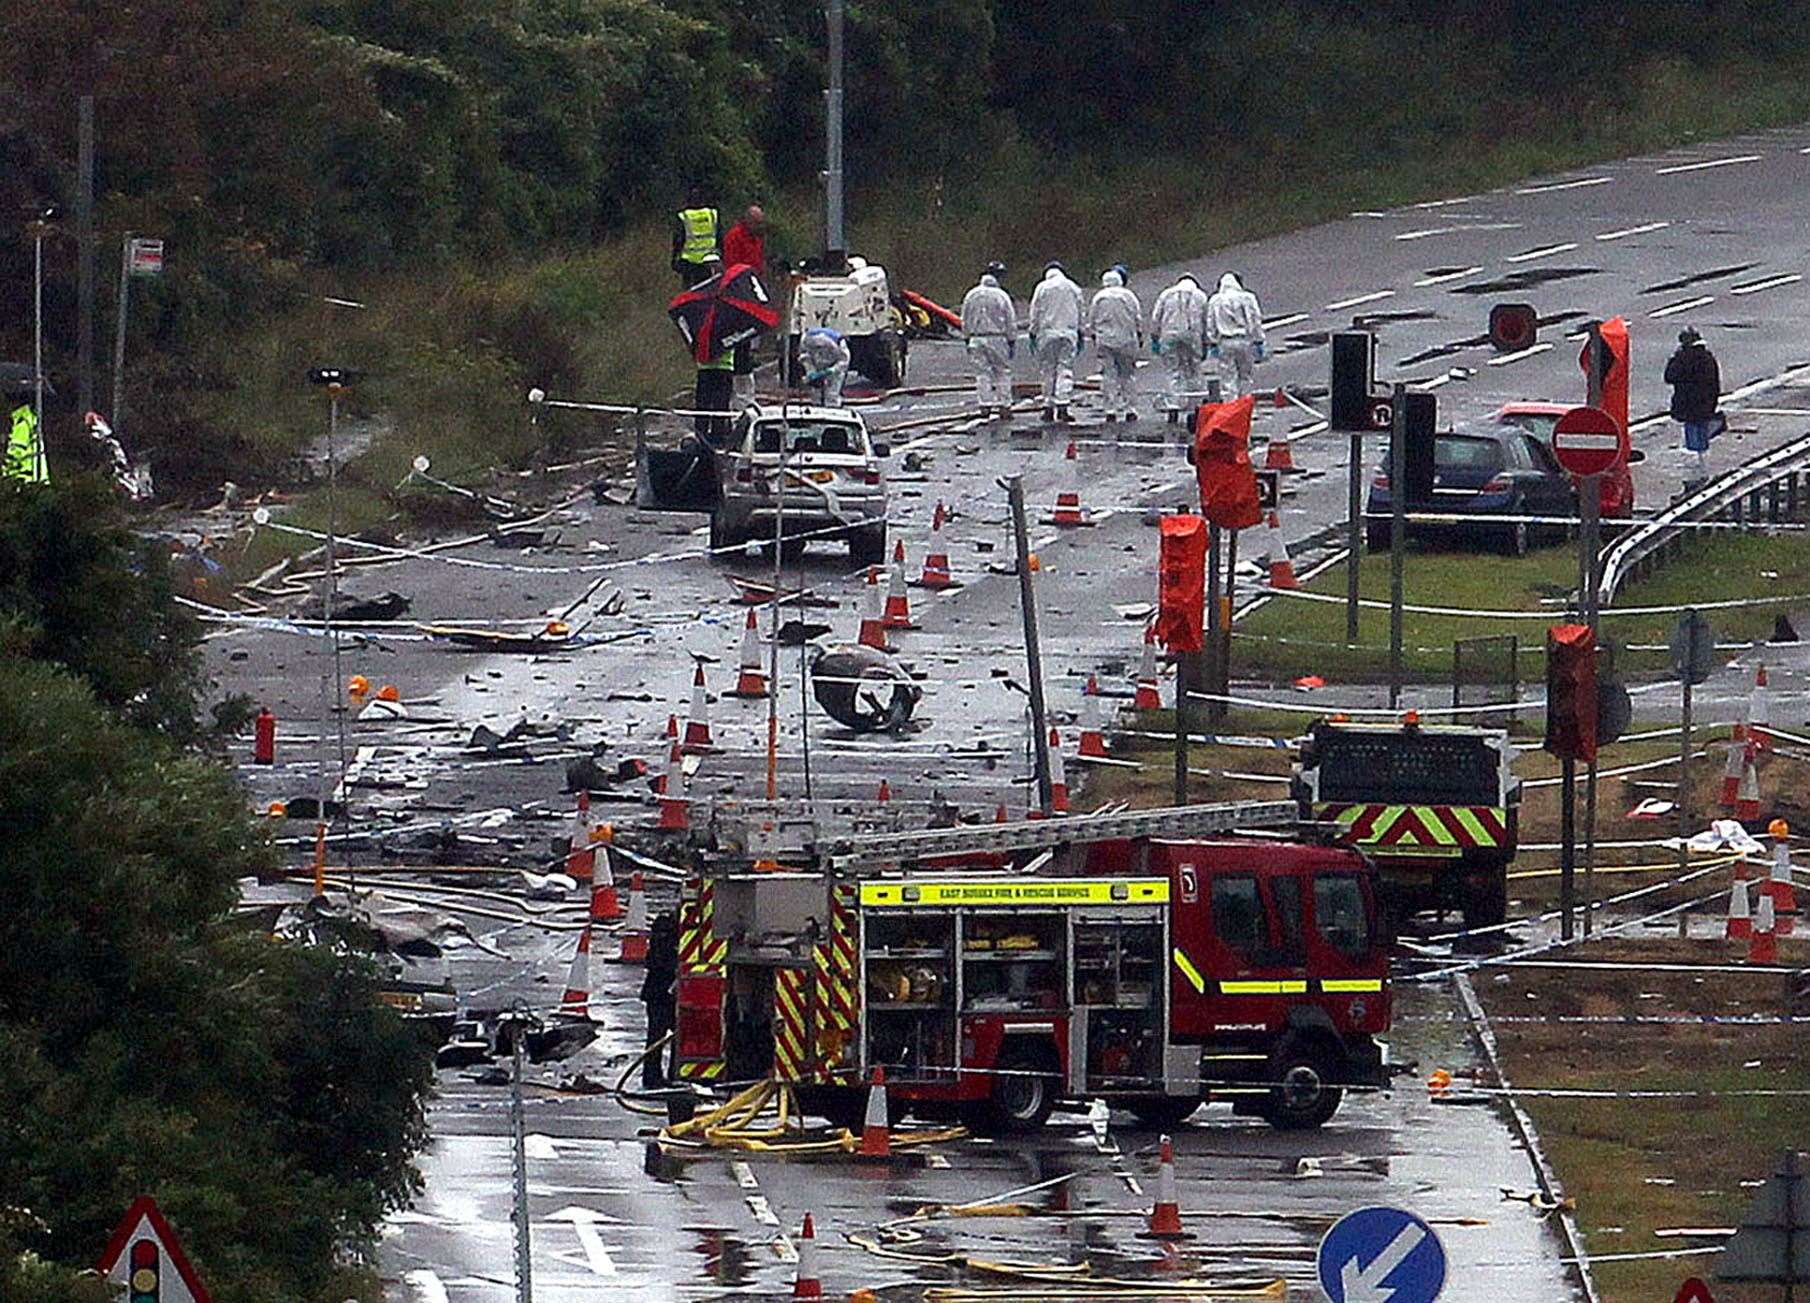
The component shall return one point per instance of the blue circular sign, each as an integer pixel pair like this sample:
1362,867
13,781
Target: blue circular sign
1381,1255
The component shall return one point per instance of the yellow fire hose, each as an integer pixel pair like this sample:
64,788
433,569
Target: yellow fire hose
731,1125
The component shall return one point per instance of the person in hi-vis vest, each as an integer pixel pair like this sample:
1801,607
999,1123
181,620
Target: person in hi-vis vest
697,237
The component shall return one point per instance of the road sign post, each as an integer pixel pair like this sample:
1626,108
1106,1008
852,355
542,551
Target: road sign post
1693,650
1398,532
1381,1255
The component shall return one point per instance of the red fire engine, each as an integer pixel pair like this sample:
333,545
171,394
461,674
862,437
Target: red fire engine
1149,964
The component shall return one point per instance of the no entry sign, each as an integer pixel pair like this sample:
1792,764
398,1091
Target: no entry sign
1588,441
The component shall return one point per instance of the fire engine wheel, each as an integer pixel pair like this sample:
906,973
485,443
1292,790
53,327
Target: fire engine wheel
1022,1094
1160,1112
1485,902
1304,1096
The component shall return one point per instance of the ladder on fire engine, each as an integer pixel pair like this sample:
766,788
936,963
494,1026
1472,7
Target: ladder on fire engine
852,853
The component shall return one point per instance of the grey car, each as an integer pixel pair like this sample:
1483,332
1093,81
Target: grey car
834,488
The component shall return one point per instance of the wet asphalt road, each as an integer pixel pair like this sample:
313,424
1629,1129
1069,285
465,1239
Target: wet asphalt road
1721,222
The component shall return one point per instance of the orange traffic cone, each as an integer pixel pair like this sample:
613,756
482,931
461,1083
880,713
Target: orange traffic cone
1058,779
1148,698
1759,710
1068,502
1747,796
752,679
697,724
1282,569
876,1130
1763,947
1093,734
675,806
581,857
873,624
897,613
1779,886
672,728
1740,912
576,1002
936,559
999,813
1279,456
1166,1214
885,793
1731,772
606,902
805,1284
634,926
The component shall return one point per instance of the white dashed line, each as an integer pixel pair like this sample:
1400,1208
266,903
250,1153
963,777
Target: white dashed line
1362,298
1683,305
1427,231
1289,320
1634,230
1770,283
1564,185
1444,203
1506,358
1804,150
1445,276
1546,252
1708,163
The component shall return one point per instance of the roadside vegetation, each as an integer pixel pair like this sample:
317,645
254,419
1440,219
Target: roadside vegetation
150,1041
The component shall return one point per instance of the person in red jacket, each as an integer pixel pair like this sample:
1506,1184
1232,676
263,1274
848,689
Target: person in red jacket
746,242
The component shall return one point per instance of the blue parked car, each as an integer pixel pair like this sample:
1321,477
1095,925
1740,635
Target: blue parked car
1494,470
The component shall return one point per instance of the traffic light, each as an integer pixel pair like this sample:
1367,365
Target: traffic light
144,1272
1614,708
1418,422
1571,691
1353,379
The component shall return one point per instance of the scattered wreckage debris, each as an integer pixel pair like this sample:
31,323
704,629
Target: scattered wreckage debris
864,688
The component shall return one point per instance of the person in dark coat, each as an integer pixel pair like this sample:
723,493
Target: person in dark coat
657,992
1696,383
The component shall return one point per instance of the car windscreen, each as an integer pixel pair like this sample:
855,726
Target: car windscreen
1533,422
836,438
1417,768
1462,452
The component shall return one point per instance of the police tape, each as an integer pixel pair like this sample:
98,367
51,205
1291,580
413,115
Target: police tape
1311,707
1374,604
1703,869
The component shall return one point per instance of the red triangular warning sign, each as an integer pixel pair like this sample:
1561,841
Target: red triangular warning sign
144,1243
1693,1291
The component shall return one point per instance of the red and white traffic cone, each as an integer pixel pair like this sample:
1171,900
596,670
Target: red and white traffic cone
1763,946
1731,772
576,1002
873,624
634,926
672,728
1148,697
897,612
1093,734
1779,886
751,681
606,901
1747,796
581,856
884,795
936,573
999,813
697,724
1740,912
1166,1214
1282,568
1759,710
876,1129
675,806
805,1284
1058,778
1069,512
1279,456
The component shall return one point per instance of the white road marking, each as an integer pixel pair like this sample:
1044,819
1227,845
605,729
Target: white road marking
1642,229
584,1226
744,1175
1426,231
1708,163
1466,229
1771,282
539,1147
762,1210
1506,358
1444,203
1771,411
1564,185
1804,150
1545,252
1361,298
784,1249
1289,320
426,1284
938,1161
1445,276
1683,305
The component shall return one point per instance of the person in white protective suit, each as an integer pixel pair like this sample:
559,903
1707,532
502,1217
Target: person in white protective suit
1115,319
1178,328
991,326
1055,331
1234,335
824,354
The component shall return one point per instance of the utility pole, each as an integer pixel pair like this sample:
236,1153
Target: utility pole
832,136
37,321
1033,656
524,1274
779,552
118,410
1398,532
84,259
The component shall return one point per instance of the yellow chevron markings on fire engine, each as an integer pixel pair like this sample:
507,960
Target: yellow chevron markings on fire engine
1190,972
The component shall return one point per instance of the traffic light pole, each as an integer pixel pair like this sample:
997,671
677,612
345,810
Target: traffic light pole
1398,530
1590,501
1354,535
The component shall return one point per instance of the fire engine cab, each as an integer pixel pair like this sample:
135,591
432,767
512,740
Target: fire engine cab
1155,972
